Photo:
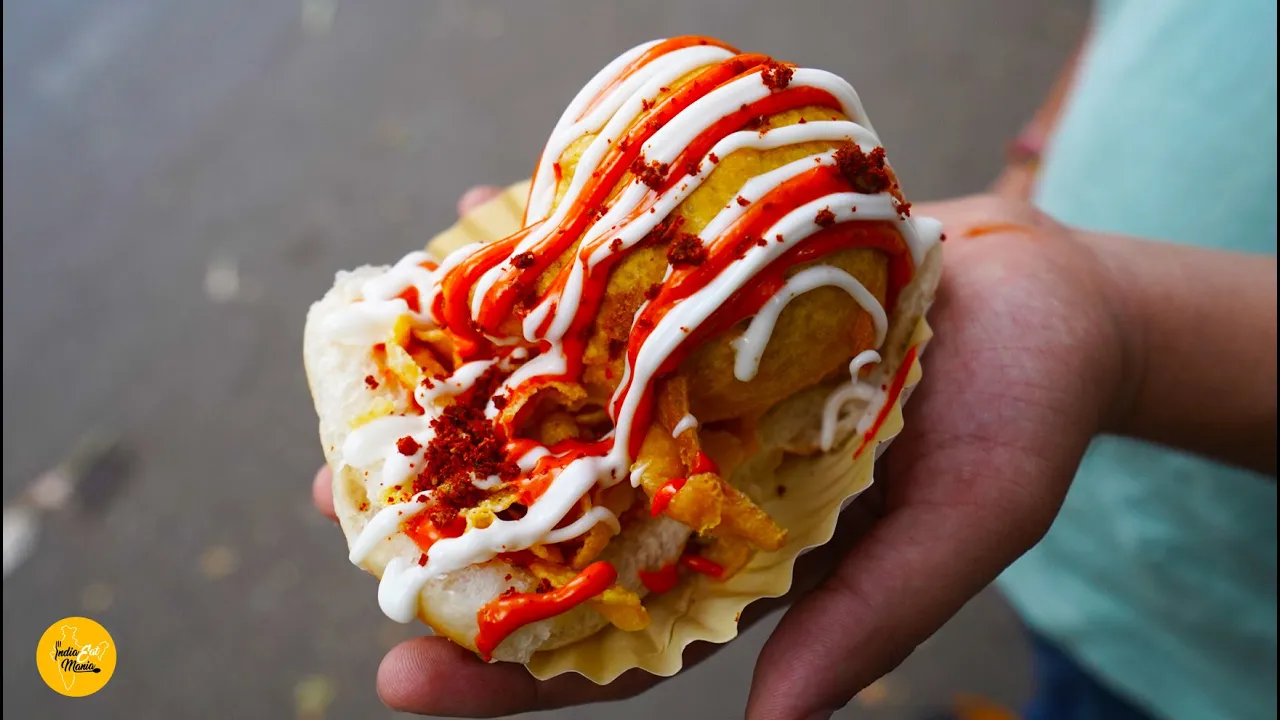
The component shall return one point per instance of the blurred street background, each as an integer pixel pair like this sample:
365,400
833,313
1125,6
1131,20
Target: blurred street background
182,179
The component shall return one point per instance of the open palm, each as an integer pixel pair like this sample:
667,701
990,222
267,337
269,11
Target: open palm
1018,378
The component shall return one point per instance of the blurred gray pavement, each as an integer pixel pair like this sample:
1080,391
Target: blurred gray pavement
181,180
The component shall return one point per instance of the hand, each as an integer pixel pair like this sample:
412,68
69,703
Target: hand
1018,378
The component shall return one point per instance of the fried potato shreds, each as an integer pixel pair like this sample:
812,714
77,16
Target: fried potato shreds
442,351
483,515
556,427
401,330
673,404
593,543
618,605
401,365
698,503
730,553
742,518
525,401
729,447
381,408
617,498
622,608
706,503
550,553
428,358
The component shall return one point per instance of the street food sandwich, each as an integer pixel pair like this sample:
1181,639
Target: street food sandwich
533,437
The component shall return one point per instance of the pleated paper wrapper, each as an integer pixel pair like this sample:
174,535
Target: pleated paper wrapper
699,608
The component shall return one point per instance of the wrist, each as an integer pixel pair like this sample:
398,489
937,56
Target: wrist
1117,293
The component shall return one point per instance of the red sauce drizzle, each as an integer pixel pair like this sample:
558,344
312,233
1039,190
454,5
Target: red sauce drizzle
410,296
424,533
699,564
895,390
662,498
660,580
505,614
702,463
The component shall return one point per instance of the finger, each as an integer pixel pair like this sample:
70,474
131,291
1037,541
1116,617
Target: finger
477,196
322,493
433,676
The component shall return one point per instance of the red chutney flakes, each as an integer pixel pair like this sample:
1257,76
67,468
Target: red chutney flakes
866,172
687,249
466,445
776,76
652,174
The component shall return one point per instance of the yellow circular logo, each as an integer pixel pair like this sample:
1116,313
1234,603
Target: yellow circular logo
76,656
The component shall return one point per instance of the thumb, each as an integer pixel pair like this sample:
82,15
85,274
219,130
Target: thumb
838,639
915,569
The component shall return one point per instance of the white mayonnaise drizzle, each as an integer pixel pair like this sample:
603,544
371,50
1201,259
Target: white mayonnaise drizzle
852,390
377,439
749,346
490,483
610,117
569,127
373,319
383,525
688,422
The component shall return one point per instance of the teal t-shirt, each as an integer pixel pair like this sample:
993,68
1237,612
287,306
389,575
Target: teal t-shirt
1160,572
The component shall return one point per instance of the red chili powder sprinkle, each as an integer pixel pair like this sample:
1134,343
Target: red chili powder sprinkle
866,172
776,76
825,218
465,445
371,381
615,245
407,445
652,174
686,250
523,260
743,201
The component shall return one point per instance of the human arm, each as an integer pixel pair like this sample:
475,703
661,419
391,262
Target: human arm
1022,155
1200,348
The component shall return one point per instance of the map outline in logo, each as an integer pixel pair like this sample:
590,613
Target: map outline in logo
76,657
